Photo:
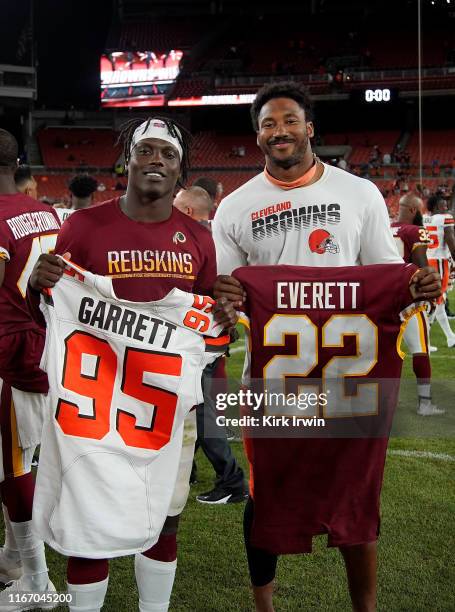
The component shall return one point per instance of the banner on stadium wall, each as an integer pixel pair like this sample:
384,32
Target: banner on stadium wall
221,100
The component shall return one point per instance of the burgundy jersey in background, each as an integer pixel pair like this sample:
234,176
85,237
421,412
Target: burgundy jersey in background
328,323
145,260
27,229
408,236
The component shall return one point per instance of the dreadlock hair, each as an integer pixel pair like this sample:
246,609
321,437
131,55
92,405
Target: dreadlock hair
184,137
82,185
434,200
9,150
283,89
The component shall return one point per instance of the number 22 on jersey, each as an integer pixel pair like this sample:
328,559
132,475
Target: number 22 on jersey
335,371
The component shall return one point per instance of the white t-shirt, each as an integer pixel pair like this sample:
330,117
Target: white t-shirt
340,220
122,376
435,226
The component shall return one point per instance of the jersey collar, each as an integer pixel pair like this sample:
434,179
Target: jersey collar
300,182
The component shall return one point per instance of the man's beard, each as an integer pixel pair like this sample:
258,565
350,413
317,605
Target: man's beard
289,162
418,218
293,160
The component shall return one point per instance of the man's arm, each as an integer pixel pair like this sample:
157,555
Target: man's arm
377,245
419,255
229,255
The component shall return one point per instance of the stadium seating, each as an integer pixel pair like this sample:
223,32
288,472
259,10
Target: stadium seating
400,50
75,147
159,35
362,143
437,146
217,150
55,186
187,88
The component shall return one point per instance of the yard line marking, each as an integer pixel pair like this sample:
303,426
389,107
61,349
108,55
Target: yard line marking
236,349
422,455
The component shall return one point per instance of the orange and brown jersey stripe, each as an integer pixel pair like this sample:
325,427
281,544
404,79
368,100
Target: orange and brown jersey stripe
216,345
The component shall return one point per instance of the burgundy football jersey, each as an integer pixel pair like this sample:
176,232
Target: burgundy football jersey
145,260
27,229
337,330
408,236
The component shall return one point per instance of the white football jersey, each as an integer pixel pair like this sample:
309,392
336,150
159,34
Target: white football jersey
123,376
435,226
64,213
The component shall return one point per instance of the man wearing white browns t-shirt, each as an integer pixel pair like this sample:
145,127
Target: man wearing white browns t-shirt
300,211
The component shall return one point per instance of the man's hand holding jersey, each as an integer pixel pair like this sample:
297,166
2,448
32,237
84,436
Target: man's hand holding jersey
229,287
426,285
49,269
225,313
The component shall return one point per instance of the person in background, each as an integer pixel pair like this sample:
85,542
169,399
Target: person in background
440,226
25,182
81,188
386,159
194,202
342,163
27,228
412,241
230,484
213,188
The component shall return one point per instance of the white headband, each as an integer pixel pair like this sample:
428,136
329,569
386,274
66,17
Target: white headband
156,129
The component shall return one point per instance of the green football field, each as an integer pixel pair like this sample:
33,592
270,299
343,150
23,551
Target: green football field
416,556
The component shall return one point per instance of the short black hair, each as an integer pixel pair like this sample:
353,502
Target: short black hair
207,183
9,149
22,175
434,200
82,185
175,129
283,89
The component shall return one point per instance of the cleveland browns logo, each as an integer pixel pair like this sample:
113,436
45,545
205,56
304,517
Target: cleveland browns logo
321,241
178,237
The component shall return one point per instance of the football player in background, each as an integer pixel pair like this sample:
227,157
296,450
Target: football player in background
412,242
230,484
25,181
440,226
81,188
272,219
27,228
148,248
